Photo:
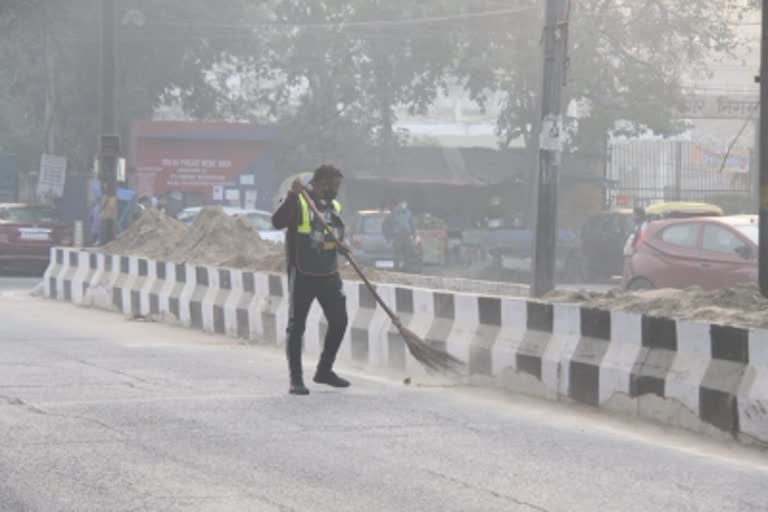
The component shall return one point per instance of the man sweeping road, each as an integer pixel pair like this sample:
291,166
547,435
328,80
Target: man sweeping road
313,271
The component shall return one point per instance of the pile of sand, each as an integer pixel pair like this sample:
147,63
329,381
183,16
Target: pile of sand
215,239
153,235
222,240
741,305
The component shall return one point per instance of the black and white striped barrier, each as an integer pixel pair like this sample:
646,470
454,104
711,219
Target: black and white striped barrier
694,375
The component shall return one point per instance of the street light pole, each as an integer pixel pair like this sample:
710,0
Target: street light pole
763,156
109,142
107,66
550,146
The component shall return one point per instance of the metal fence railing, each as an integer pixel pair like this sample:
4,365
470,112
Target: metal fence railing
644,172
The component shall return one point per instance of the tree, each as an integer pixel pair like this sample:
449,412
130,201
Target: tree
331,74
627,65
49,53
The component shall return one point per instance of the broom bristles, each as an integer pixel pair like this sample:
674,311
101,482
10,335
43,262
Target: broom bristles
430,357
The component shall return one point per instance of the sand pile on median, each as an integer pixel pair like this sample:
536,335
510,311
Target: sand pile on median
222,240
153,235
218,239
741,305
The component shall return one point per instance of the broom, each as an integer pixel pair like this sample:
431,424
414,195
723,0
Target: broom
427,355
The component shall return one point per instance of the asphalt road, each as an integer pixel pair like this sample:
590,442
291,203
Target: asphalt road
98,413
19,281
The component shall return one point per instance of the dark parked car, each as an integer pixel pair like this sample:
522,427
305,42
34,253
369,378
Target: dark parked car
366,238
370,246
602,242
28,232
511,250
710,252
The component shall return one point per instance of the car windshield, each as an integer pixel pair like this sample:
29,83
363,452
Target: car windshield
260,221
372,224
751,231
188,217
27,214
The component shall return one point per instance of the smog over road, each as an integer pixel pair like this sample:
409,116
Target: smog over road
304,255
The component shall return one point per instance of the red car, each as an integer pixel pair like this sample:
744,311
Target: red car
28,232
710,252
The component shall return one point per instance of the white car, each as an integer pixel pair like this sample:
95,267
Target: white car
260,220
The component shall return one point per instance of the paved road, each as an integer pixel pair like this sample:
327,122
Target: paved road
16,281
98,413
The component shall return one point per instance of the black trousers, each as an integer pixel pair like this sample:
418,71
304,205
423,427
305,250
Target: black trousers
303,291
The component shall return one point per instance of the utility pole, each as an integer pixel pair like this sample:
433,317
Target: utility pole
109,142
754,169
763,149
550,145
678,170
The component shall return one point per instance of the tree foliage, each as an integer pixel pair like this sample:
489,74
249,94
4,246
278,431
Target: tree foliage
628,62
49,62
333,73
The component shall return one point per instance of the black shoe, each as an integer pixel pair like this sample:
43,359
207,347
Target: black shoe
299,389
331,379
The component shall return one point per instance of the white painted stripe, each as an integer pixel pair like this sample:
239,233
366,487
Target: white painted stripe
63,274
514,318
185,294
352,291
52,272
690,364
207,296
753,395
259,304
128,282
313,344
146,289
281,311
80,276
623,351
421,322
465,325
556,360
378,334
169,289
232,302
111,278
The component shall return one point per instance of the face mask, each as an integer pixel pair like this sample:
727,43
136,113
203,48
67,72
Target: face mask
329,195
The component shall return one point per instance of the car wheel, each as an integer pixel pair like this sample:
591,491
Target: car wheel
640,283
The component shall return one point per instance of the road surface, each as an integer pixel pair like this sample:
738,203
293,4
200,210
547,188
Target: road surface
18,282
99,413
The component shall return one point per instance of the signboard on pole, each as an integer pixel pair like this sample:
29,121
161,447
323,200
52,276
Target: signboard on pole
204,159
551,138
53,176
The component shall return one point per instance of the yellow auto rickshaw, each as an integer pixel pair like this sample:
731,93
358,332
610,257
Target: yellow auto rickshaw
682,209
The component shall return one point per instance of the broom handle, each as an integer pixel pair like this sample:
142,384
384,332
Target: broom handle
395,319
